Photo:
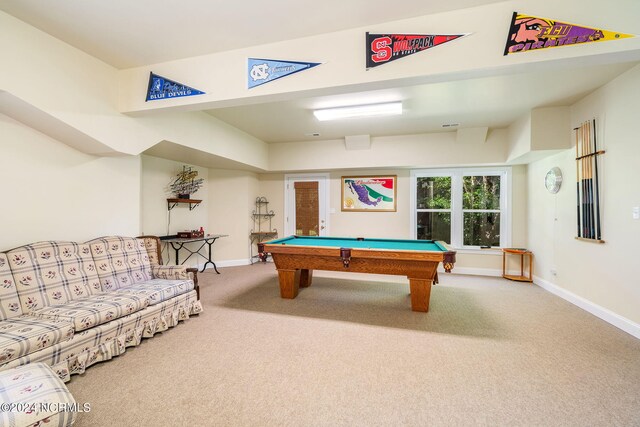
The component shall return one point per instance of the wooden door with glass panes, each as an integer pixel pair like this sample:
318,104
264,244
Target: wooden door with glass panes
306,204
307,208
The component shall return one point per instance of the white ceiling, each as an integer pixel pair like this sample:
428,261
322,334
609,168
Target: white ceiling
143,32
131,33
494,102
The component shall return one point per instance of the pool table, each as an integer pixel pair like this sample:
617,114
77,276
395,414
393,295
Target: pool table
297,256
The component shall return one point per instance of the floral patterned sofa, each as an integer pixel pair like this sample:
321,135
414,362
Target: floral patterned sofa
70,305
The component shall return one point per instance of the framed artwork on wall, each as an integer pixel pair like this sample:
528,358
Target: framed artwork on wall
372,193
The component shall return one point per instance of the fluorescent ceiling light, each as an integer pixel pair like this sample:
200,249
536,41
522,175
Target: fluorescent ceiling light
387,109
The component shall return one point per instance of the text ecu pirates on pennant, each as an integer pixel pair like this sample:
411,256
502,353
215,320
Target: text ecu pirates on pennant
529,32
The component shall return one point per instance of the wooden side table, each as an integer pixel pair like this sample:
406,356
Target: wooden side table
522,253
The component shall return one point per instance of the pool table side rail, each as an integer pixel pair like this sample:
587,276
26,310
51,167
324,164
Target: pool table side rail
409,255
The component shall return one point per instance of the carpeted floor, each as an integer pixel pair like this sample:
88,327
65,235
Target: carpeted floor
345,352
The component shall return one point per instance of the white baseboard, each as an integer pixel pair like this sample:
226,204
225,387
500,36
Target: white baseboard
491,272
475,271
608,316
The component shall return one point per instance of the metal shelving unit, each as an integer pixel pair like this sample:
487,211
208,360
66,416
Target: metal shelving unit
262,228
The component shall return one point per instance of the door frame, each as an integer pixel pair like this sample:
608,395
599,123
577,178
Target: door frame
324,183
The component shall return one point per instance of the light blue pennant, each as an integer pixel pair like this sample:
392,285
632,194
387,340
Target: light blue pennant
261,71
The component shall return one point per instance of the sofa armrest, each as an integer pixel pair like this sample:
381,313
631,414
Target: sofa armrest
194,271
176,272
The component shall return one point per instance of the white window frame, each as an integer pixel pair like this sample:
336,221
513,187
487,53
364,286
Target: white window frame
456,175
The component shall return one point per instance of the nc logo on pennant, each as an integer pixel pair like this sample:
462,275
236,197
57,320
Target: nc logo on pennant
261,71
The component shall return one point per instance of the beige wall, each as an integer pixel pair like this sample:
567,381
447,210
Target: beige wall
231,198
606,275
550,128
65,82
397,224
227,202
71,88
519,137
157,174
425,150
271,186
157,220
54,192
370,224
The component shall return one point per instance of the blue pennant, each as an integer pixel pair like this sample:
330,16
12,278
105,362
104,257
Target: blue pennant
261,71
163,88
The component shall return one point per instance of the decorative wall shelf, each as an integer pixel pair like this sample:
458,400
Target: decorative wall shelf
193,203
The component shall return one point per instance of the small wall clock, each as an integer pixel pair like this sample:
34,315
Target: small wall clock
553,180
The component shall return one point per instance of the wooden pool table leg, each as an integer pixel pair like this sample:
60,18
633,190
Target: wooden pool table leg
289,280
306,276
420,294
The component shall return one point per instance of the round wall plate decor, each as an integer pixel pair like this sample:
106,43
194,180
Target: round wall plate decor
553,180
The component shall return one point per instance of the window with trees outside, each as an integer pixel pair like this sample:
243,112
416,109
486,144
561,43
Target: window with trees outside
467,208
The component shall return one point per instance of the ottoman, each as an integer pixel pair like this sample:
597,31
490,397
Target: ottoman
33,395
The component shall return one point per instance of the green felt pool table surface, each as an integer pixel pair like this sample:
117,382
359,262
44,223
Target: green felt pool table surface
356,243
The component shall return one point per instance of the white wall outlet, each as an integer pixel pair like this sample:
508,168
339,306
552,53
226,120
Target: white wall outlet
636,212
554,272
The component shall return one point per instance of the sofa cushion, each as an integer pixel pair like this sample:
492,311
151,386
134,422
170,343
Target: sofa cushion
26,334
48,273
94,310
120,261
40,396
158,290
9,301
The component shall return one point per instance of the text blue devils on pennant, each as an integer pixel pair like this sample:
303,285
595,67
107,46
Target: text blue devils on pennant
163,88
262,71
